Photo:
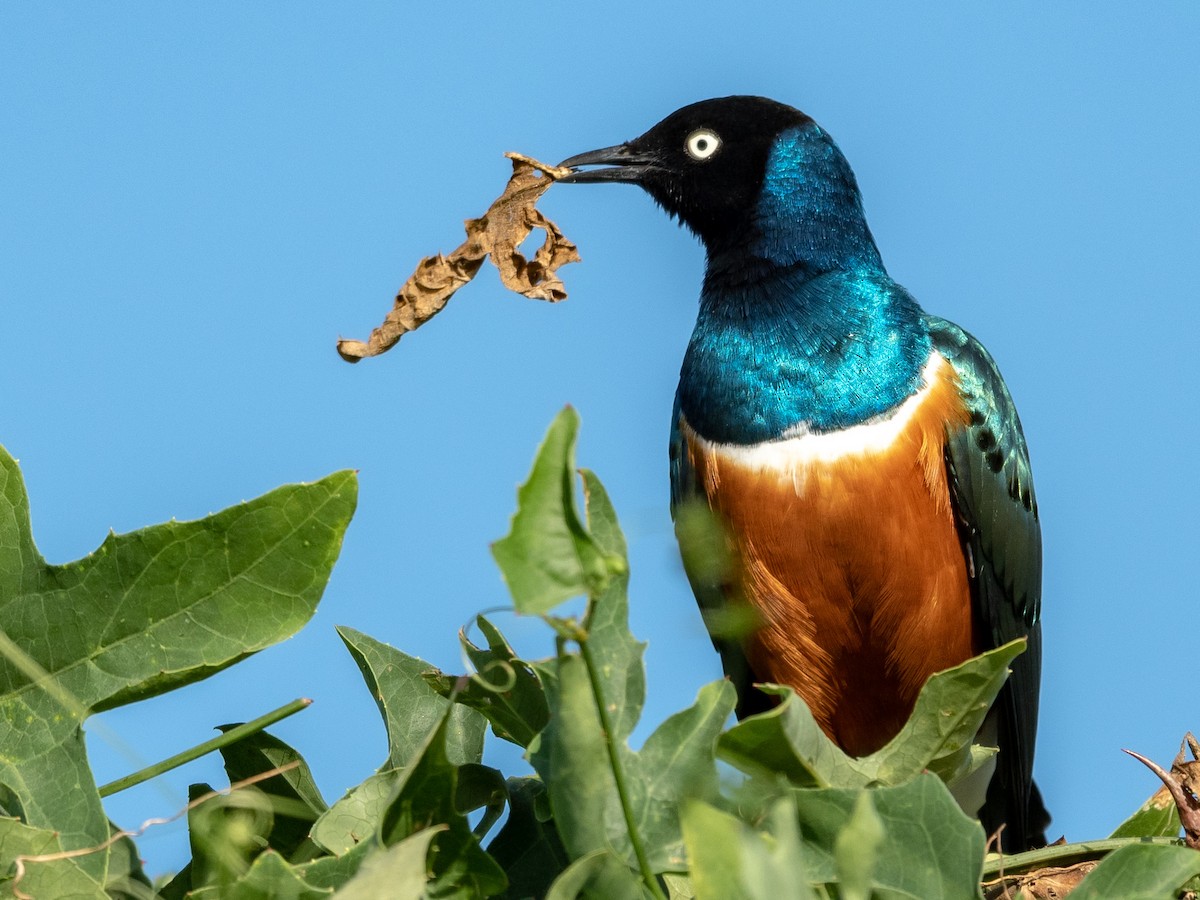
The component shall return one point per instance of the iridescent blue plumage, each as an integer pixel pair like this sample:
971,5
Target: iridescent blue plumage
803,328
809,211
812,386
792,350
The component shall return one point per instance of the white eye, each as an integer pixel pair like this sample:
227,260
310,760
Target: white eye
702,143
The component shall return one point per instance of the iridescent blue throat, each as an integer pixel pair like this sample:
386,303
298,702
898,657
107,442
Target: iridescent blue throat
801,328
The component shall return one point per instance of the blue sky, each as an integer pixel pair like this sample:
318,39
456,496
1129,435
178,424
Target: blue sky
196,201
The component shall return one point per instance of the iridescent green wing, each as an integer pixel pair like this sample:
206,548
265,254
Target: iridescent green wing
992,489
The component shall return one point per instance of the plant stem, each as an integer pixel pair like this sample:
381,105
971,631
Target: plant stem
618,771
233,735
1062,854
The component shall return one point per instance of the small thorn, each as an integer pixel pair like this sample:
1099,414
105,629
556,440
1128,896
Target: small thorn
1185,801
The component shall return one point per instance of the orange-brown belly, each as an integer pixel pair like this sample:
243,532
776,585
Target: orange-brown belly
854,564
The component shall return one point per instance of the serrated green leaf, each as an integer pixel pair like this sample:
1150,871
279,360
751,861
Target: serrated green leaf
729,859
426,793
548,556
949,712
528,847
295,798
425,731
937,737
146,612
411,708
355,817
505,689
930,849
1140,872
399,872
1157,817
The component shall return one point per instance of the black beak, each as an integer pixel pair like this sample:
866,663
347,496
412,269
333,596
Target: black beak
630,165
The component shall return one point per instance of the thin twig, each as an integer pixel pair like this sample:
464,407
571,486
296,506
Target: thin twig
232,736
21,860
1063,854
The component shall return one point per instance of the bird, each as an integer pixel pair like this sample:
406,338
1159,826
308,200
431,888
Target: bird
865,457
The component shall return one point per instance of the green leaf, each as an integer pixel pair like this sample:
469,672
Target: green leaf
126,878
949,711
937,736
548,556
602,518
528,847
296,801
505,689
572,752
705,546
679,887
412,709
425,794
1157,817
570,757
334,871
56,878
929,849
355,817
600,875
146,612
676,763
399,871
856,849
178,885
481,787
788,741
716,849
226,832
270,877
729,859
412,712
1140,872
617,655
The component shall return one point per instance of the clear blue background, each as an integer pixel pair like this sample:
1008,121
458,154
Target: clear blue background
197,200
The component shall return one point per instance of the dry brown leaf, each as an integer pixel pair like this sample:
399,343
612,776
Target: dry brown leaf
1051,883
498,233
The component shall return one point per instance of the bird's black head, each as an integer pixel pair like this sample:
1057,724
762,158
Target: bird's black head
704,163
